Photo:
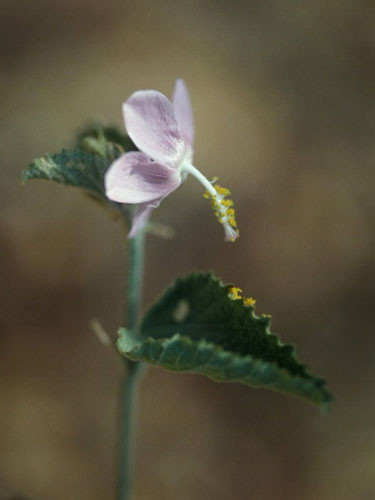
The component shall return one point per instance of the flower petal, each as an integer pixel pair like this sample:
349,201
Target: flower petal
183,111
140,218
151,124
134,178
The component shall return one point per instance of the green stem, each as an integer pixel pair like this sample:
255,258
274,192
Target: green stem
128,396
134,369
136,251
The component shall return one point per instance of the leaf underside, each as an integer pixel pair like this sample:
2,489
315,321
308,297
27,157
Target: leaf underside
197,327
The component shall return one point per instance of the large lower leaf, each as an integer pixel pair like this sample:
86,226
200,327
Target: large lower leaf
201,326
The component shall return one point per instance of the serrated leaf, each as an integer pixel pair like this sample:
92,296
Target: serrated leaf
74,167
198,326
84,167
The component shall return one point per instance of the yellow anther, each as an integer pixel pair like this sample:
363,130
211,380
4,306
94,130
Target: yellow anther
223,210
221,190
227,203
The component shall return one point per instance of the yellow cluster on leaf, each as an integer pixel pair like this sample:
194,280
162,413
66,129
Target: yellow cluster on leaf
235,294
223,208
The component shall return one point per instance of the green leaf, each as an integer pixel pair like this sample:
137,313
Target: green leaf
74,167
95,134
199,326
83,167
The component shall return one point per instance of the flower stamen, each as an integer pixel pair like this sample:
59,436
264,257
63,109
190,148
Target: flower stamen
223,210
222,206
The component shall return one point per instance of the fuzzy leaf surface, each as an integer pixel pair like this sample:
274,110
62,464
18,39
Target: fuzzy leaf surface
85,165
197,326
74,167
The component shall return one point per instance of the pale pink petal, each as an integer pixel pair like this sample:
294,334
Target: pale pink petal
183,111
151,124
134,178
141,215
140,218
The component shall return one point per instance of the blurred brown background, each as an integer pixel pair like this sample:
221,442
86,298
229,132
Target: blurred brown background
283,94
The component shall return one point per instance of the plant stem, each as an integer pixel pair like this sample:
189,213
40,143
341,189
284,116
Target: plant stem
136,251
134,369
128,396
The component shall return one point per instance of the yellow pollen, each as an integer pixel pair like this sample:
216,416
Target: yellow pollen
235,293
227,203
223,209
250,302
222,191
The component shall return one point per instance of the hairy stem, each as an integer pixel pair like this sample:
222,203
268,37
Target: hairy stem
134,369
136,253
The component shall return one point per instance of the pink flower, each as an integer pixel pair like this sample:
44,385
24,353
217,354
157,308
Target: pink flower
164,134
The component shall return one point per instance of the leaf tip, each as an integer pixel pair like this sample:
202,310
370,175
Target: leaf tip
26,175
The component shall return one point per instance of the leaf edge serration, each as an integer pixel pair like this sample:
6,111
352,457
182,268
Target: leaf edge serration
182,354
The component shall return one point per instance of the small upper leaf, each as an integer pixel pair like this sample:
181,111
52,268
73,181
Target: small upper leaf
73,167
91,136
83,167
199,326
